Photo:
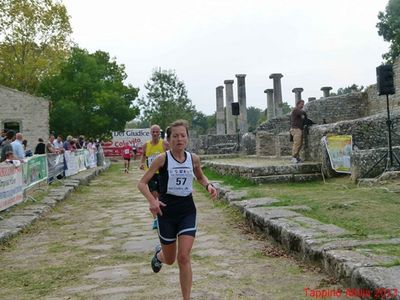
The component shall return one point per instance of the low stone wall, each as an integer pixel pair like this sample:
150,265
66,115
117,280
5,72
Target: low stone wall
276,125
368,133
215,144
362,162
337,108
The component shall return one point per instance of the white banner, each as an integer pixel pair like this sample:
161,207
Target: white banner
134,137
11,188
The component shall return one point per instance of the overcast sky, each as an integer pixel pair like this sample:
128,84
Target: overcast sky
313,43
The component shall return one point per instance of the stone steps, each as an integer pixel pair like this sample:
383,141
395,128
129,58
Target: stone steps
263,172
286,178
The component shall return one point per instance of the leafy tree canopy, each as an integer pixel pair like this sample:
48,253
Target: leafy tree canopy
89,96
350,89
389,28
166,100
34,39
253,117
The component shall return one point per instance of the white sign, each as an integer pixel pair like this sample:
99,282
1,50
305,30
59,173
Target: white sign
134,137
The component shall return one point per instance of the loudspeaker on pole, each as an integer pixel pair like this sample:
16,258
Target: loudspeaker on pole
384,79
235,108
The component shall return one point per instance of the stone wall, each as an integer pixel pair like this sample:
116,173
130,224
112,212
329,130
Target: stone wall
276,125
367,161
337,108
368,133
32,114
377,103
215,144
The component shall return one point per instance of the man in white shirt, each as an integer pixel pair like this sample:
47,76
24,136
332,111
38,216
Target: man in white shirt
17,147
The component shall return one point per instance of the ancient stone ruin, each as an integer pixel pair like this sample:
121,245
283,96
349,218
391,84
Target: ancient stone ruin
360,114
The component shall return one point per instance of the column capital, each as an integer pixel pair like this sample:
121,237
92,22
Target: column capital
269,91
296,90
220,87
326,88
275,76
240,75
229,81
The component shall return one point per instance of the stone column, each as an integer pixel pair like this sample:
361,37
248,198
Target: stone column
241,91
297,94
278,104
326,90
230,119
270,104
220,110
310,99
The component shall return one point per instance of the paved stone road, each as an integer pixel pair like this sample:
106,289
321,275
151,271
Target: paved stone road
98,244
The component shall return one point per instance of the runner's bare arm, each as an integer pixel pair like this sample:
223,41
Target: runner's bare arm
143,158
154,204
201,178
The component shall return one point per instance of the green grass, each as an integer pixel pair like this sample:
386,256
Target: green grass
235,182
363,211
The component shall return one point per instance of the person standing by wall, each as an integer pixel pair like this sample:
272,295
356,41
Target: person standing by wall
297,118
175,208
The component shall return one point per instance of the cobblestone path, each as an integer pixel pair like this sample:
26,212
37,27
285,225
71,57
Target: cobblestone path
98,243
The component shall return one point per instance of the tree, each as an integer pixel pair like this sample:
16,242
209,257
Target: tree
200,123
166,100
34,39
253,116
286,108
389,28
89,96
350,89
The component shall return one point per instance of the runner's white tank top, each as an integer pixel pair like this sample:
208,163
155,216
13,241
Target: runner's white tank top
180,176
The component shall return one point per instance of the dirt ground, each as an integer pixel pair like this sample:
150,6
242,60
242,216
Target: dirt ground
98,244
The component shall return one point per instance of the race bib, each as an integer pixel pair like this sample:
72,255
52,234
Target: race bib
180,182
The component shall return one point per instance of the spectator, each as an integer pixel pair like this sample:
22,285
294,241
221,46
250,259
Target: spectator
28,152
67,143
10,159
82,142
3,136
58,143
18,147
40,147
49,145
6,145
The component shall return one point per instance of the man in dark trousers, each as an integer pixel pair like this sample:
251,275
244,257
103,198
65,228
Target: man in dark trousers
297,118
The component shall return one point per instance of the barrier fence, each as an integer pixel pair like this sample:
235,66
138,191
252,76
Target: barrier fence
14,181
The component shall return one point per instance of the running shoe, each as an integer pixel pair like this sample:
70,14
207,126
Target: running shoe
156,264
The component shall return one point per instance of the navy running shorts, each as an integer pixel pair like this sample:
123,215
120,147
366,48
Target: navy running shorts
170,229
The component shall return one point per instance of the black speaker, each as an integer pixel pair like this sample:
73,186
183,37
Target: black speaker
235,108
384,78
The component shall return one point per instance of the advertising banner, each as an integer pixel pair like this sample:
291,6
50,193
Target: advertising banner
71,162
55,165
339,149
34,170
11,191
134,137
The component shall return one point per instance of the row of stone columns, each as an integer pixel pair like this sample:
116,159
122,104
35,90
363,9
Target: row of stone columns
226,119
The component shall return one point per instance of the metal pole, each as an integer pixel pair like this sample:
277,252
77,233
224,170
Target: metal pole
389,124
